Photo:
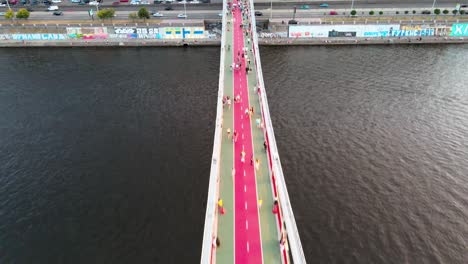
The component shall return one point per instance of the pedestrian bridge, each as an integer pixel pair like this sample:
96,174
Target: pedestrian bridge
249,218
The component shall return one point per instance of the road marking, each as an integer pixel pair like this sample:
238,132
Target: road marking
245,188
242,125
242,136
248,249
246,225
245,205
244,173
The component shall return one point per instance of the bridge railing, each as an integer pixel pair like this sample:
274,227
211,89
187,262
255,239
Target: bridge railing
290,228
211,217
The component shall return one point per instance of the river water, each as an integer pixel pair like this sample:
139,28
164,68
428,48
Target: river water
105,152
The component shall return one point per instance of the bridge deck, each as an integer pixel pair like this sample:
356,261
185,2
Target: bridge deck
248,231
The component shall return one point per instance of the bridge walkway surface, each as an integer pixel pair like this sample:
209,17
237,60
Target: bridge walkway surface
248,230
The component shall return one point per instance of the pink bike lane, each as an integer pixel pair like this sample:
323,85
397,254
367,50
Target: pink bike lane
248,247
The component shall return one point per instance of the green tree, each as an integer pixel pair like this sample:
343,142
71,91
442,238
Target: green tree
437,11
406,12
454,11
397,12
380,12
445,11
143,13
106,13
22,14
414,11
133,16
9,14
353,12
462,12
371,13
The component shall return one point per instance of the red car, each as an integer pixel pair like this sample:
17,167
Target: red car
124,1
115,3
333,13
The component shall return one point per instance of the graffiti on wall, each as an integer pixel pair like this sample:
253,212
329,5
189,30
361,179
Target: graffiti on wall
459,30
87,32
38,36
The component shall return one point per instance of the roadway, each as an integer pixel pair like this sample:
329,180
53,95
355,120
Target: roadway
66,5
72,14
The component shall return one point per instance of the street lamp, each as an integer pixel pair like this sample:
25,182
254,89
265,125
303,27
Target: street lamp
352,4
433,4
271,9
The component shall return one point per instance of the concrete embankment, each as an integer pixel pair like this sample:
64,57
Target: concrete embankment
216,42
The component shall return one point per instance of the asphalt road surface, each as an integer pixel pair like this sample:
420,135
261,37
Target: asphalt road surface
67,5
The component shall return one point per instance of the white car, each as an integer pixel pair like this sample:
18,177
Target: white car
181,16
157,14
2,5
94,3
220,14
145,3
52,8
182,2
56,1
195,2
135,3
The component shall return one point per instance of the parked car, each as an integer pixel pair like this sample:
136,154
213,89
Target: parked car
168,8
157,14
56,1
30,9
93,3
323,5
76,1
195,2
305,7
81,3
181,16
115,3
58,13
157,2
2,13
333,13
220,14
52,8
258,13
464,5
145,2
133,2
123,1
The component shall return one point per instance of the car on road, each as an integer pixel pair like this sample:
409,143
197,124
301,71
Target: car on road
157,14
220,14
168,8
305,7
426,12
2,5
258,13
157,2
56,1
57,13
323,5
52,8
75,1
133,2
29,9
182,16
93,3
81,3
195,2
464,5
333,13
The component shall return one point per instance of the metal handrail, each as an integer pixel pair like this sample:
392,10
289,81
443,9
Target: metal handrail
210,230
288,215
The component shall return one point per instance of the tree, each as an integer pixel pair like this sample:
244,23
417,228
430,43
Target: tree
22,14
371,13
462,12
106,13
353,12
9,14
143,13
454,11
406,12
414,11
445,11
380,12
397,12
133,16
437,11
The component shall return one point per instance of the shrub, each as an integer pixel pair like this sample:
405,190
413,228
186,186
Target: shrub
397,12
9,14
454,11
462,12
371,13
353,12
143,13
437,11
106,13
406,12
380,12
414,11
22,13
445,11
